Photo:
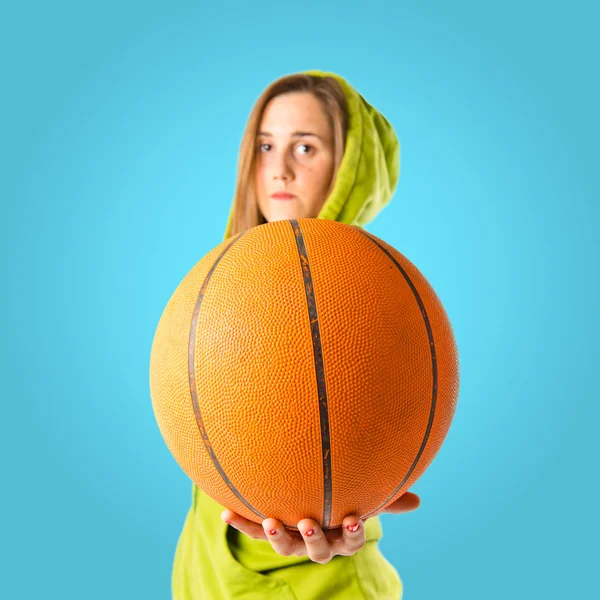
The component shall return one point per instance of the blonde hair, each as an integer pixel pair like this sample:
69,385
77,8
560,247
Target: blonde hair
246,213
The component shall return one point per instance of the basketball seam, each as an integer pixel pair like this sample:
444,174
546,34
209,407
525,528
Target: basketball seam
433,365
192,380
319,370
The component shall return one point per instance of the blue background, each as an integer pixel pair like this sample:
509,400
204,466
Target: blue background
120,126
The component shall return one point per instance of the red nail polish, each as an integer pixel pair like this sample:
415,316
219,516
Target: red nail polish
309,532
272,532
353,528
228,522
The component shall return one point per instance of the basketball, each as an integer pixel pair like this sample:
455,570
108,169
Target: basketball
304,369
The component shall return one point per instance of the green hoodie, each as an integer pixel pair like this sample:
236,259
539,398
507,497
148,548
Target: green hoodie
216,561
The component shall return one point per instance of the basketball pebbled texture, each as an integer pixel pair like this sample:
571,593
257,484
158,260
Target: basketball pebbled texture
304,368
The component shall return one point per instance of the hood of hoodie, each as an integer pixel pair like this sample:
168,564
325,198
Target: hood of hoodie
369,171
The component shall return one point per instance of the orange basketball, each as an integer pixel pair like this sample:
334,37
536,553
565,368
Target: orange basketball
304,368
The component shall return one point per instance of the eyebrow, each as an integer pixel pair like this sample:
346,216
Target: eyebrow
295,134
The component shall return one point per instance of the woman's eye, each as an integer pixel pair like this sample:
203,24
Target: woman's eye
306,147
264,147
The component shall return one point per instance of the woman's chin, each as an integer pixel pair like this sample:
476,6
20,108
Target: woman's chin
284,215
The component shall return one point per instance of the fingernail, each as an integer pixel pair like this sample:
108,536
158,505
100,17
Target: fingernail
309,532
272,532
228,522
353,528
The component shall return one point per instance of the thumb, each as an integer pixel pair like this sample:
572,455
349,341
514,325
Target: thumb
406,503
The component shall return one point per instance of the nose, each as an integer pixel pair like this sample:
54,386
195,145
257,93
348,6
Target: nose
281,169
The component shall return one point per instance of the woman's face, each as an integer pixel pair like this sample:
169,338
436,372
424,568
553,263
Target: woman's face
295,157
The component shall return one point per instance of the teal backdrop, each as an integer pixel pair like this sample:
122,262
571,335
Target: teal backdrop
119,129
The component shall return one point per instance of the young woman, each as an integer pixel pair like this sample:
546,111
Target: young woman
313,147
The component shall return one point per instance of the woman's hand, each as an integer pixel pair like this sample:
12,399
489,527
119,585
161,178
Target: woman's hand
311,540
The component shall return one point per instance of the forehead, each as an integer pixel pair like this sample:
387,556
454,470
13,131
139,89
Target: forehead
294,111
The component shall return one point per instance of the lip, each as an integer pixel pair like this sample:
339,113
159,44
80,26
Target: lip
282,196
